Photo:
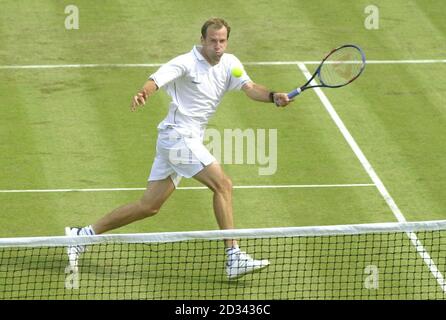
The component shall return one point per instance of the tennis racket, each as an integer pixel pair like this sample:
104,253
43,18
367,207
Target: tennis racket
339,68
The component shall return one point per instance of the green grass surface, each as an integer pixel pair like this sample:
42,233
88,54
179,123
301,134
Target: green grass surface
71,127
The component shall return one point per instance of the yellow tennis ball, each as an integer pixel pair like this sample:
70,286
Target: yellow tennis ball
237,72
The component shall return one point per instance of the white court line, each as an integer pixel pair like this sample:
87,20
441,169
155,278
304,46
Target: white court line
259,63
376,180
420,61
194,188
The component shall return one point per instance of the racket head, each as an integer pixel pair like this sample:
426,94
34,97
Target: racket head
341,66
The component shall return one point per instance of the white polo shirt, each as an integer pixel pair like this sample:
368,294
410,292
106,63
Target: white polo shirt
196,89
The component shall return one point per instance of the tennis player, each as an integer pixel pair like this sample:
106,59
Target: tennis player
196,82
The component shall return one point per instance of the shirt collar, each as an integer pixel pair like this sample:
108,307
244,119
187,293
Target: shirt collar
197,53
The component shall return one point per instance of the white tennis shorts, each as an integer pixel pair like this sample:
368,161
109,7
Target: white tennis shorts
178,156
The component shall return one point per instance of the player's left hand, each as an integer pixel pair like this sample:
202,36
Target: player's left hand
138,100
281,99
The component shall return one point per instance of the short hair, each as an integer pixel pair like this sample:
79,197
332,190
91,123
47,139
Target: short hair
216,23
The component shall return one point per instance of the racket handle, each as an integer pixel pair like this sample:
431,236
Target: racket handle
294,93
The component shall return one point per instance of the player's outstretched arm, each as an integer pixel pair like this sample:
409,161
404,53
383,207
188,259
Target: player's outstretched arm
141,97
258,92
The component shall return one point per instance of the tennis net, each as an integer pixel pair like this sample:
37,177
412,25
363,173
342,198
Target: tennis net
367,261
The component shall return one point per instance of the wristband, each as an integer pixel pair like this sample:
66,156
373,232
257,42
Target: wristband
271,96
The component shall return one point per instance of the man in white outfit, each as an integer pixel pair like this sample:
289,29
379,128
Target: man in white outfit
196,82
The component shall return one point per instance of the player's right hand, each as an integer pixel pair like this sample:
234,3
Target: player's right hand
281,99
138,100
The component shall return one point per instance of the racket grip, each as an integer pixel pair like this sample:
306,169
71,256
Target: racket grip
294,93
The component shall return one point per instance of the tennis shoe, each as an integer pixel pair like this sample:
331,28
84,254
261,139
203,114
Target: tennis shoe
74,251
239,263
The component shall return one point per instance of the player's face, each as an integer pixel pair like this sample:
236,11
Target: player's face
214,45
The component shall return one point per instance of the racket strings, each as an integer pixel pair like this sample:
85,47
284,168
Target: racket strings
341,67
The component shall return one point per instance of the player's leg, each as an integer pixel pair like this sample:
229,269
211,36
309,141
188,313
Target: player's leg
215,179
238,262
156,194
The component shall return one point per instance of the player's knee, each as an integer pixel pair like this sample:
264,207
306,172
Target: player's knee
228,183
148,210
224,185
